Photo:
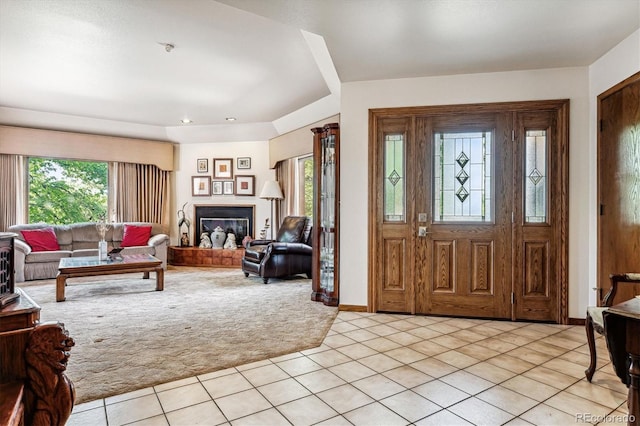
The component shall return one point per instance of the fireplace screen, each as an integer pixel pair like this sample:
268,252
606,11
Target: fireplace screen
238,225
231,218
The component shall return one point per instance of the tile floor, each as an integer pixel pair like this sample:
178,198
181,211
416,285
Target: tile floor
382,369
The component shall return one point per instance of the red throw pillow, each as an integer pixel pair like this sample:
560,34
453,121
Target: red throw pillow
43,239
136,235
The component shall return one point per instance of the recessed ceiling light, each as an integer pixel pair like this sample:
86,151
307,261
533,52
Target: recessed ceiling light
186,121
230,119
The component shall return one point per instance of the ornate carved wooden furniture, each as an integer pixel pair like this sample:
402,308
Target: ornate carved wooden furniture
290,253
622,331
326,214
34,389
594,320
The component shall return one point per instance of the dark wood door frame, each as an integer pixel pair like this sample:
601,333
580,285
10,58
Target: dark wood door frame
561,109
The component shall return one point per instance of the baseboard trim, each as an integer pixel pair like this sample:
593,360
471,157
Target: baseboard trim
576,321
352,308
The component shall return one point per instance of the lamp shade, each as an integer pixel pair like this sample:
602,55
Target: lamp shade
271,191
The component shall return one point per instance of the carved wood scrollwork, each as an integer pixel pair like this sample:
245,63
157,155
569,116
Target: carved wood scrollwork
51,392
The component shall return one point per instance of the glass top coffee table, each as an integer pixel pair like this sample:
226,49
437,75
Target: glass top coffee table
91,266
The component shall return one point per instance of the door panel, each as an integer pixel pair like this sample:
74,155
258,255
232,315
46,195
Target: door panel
619,186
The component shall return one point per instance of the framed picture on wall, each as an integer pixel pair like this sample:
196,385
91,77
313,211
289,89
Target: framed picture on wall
243,163
227,187
223,168
203,165
245,185
200,186
216,187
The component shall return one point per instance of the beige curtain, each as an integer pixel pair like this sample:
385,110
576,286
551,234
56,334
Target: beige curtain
286,176
139,193
12,190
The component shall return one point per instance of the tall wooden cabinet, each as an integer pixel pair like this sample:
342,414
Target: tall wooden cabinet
326,214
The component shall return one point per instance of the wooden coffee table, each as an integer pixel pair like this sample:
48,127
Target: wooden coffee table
91,266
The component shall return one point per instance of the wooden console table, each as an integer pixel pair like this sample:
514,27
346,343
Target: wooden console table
195,256
622,330
35,390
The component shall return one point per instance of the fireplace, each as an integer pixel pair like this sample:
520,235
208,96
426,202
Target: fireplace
238,219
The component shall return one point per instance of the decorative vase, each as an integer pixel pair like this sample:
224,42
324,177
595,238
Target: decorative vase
184,241
218,237
102,250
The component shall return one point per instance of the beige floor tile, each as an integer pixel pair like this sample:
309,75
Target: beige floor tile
530,388
429,348
94,417
545,348
374,414
597,394
343,327
529,332
335,421
286,357
381,344
159,420
283,391
338,340
561,342
525,353
378,386
330,358
566,367
226,385
480,413
357,351
444,327
457,359
405,355
516,339
607,379
214,374
410,405
364,323
467,382
574,405
253,365
206,413
441,393
183,396
449,341
463,323
407,376
352,371
271,417
517,421
129,395
345,398
360,335
467,335
497,344
550,377
442,418
242,404
402,325
424,333
382,330
433,367
423,321
98,403
511,363
132,410
263,375
507,400
307,411
490,372
478,352
503,326
297,366
545,415
176,384
318,381
380,362
486,330
405,339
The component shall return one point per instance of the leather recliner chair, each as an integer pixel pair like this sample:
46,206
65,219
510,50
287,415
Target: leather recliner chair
290,254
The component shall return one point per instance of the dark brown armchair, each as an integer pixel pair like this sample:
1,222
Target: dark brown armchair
594,321
289,254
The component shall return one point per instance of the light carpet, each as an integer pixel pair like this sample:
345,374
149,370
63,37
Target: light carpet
129,336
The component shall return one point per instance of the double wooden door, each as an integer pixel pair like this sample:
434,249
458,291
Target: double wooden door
468,210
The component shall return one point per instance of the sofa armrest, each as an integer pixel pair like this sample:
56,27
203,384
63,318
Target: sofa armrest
21,250
158,239
22,246
259,242
289,248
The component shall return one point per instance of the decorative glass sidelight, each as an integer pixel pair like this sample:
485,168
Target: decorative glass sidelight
462,177
394,178
327,182
535,176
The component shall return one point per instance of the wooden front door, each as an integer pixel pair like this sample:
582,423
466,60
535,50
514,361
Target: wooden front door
463,222
619,186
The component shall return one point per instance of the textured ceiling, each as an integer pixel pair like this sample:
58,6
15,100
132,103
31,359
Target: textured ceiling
100,66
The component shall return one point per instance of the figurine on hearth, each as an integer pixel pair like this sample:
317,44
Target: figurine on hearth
231,241
205,241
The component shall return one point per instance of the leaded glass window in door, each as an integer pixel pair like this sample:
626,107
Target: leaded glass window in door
394,178
462,177
535,176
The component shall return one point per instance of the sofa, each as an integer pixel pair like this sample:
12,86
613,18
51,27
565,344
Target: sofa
80,239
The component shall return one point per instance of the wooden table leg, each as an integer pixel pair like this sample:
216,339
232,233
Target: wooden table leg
61,282
145,275
159,279
633,348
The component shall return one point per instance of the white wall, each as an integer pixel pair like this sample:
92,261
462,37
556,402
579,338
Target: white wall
357,98
185,167
615,66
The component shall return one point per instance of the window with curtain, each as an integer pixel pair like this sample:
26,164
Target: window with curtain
295,176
